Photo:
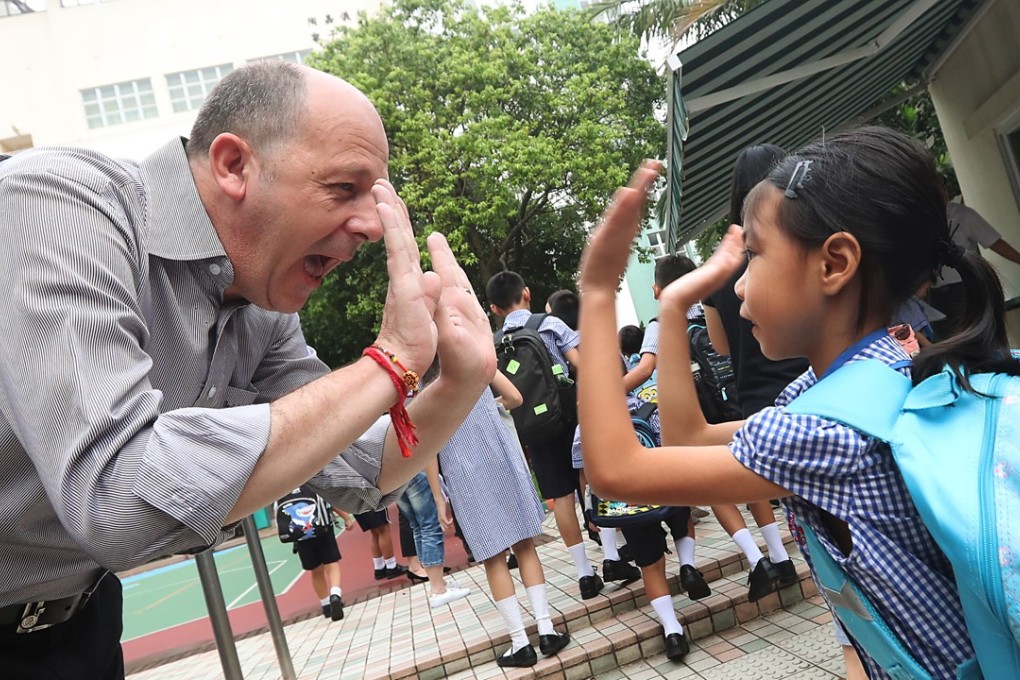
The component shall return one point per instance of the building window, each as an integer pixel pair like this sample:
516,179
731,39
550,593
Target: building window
189,88
119,103
657,242
295,57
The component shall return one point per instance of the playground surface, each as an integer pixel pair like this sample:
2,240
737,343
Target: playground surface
165,615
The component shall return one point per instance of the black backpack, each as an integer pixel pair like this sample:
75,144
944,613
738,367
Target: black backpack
713,377
302,514
550,396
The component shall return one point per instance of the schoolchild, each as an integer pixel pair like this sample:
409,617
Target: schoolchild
318,551
836,237
647,542
765,574
377,525
510,299
491,492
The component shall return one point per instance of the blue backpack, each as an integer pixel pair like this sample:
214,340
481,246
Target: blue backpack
959,454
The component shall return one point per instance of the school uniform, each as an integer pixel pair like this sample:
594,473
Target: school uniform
488,482
550,459
832,469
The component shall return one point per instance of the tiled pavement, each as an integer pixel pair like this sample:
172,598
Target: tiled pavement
396,635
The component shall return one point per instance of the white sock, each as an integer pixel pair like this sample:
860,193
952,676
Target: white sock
510,610
663,607
378,562
777,551
608,536
621,540
336,591
391,562
580,560
324,601
745,541
540,608
685,550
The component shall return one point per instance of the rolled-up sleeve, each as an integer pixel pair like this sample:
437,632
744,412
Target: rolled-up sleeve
350,480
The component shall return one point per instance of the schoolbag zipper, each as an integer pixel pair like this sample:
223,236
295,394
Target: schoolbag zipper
989,547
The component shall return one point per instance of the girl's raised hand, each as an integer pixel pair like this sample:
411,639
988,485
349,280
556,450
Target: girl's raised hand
605,257
709,277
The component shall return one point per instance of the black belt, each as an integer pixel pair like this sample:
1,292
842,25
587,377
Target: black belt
32,616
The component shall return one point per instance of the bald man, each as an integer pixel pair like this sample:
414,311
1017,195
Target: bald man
156,387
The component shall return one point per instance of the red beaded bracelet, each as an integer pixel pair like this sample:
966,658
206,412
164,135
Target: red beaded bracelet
407,384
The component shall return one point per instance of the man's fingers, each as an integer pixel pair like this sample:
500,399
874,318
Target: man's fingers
401,247
445,264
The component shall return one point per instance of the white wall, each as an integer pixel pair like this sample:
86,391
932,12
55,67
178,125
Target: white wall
976,92
48,57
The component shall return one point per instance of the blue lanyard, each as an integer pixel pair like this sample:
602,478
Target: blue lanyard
853,349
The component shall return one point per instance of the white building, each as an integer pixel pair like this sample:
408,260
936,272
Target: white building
123,76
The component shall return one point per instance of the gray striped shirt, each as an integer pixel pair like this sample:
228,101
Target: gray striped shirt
133,400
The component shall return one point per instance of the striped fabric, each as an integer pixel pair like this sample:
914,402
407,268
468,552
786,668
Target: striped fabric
489,483
832,469
132,400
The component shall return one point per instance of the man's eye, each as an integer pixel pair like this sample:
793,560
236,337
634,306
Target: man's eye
749,254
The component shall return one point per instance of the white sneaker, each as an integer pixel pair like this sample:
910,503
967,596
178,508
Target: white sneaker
451,582
447,597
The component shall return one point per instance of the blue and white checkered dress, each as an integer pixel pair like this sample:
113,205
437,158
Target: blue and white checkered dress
489,483
832,469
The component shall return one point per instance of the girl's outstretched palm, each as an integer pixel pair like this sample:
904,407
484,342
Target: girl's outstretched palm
605,257
709,277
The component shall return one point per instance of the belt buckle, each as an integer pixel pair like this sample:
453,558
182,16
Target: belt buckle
30,618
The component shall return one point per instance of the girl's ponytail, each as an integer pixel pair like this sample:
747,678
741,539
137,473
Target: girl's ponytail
978,342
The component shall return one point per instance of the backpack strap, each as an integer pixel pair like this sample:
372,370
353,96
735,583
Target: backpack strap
859,616
645,410
866,395
534,321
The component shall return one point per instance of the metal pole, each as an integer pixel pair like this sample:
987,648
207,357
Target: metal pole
217,608
258,563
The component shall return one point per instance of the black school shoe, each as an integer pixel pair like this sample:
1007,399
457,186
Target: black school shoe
522,658
590,586
396,571
336,607
677,646
787,573
618,570
325,611
552,644
764,579
693,582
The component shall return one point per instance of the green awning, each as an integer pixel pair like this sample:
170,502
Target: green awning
787,72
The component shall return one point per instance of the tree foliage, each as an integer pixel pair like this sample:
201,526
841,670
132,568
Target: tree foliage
508,133
672,21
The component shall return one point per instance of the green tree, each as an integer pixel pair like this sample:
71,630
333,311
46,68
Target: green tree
670,20
508,133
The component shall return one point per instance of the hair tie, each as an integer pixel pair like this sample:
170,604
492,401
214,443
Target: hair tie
801,175
949,253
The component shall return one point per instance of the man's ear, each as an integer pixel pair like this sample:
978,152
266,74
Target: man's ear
656,291
840,261
231,162
526,295
496,310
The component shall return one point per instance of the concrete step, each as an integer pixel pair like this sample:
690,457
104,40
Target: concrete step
615,628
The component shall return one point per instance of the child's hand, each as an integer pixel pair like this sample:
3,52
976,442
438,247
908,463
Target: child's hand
709,277
605,257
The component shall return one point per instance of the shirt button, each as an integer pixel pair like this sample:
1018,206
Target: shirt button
215,269
212,391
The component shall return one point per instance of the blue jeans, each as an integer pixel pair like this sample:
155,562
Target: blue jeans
419,507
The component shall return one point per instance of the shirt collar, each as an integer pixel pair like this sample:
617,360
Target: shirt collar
181,229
